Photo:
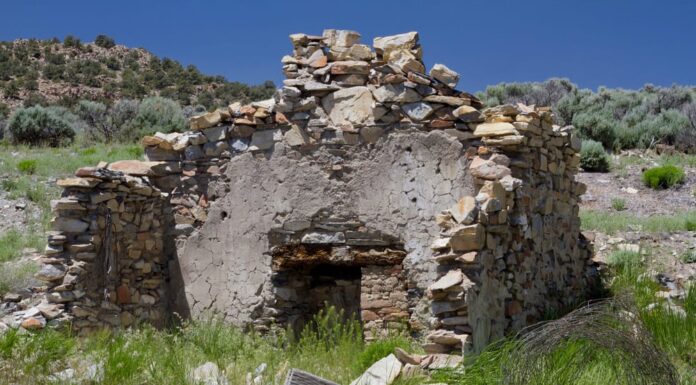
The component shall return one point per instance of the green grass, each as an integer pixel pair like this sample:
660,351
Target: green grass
618,204
12,242
15,275
63,161
681,160
329,348
612,222
578,363
26,172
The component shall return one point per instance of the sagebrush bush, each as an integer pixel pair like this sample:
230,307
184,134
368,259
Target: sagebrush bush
99,127
39,126
593,157
663,177
155,114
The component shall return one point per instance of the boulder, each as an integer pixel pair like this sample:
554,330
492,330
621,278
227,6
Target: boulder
78,182
69,225
495,129
468,114
51,273
352,105
404,60
448,100
488,169
465,211
204,121
296,137
447,281
445,75
396,93
468,238
208,374
382,372
408,41
263,140
350,67
340,38
142,168
417,111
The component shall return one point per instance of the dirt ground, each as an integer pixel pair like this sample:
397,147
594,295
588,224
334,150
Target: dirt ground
664,249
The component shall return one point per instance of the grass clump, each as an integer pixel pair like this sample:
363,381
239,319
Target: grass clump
27,166
689,256
331,346
12,242
624,259
612,222
593,157
618,204
663,177
15,276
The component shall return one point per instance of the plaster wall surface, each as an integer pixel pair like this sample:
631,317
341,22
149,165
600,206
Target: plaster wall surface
396,186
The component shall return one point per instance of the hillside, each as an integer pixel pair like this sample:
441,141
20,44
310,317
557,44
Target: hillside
54,72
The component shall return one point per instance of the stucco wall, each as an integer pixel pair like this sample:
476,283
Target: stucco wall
396,187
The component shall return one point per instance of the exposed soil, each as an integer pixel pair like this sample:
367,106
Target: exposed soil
665,250
639,200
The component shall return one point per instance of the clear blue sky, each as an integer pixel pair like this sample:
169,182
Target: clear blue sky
623,43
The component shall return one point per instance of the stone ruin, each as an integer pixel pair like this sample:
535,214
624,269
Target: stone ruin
365,183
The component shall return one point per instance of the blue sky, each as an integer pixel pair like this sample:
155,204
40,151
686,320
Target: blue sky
593,42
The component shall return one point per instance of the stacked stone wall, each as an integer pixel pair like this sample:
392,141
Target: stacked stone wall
483,202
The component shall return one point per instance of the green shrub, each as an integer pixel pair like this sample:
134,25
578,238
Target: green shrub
104,41
71,41
619,204
38,125
155,114
593,157
27,166
663,177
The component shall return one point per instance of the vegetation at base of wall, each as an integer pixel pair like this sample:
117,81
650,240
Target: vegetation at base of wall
663,177
105,72
328,347
612,222
617,118
12,242
672,330
593,157
332,348
16,275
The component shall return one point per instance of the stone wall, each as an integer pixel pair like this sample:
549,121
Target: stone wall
105,260
513,250
361,160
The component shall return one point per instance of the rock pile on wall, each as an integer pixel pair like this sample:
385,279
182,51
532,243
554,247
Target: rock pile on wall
506,253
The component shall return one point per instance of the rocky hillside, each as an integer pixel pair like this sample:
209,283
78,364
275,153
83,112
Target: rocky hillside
54,72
